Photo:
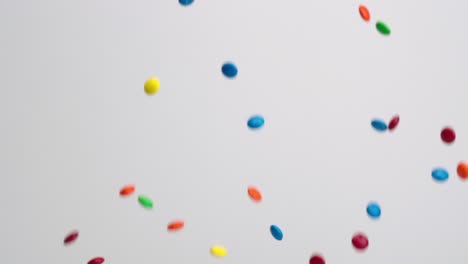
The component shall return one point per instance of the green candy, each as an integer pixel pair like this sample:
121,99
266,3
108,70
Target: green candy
383,28
145,201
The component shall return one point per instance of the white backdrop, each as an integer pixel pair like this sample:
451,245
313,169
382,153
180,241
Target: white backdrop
77,126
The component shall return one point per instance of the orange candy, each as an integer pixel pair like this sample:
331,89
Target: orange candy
364,13
175,225
127,190
254,193
462,170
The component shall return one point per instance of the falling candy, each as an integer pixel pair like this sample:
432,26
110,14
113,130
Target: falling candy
373,210
145,201
379,125
462,170
254,193
383,28
152,86
316,259
98,260
255,122
218,251
364,13
229,70
175,225
276,232
127,190
440,174
393,123
448,135
360,241
185,2
71,237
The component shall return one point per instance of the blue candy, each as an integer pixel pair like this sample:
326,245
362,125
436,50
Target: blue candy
185,2
255,122
229,70
373,210
440,174
379,125
276,232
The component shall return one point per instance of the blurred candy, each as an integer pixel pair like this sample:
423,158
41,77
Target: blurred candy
97,260
373,210
316,259
462,170
127,190
229,70
71,237
145,201
185,2
360,241
276,232
254,193
175,225
383,28
393,122
218,251
440,174
379,125
364,13
255,122
448,135
152,86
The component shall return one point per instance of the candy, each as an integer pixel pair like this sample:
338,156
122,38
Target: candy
364,13
373,210
448,135
255,122
440,174
175,225
97,260
185,2
383,28
462,170
152,86
276,232
379,125
127,190
254,193
218,251
71,237
145,201
316,259
360,241
393,123
229,70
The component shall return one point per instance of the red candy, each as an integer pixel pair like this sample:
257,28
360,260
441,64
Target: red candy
394,122
316,259
70,237
360,241
97,260
448,135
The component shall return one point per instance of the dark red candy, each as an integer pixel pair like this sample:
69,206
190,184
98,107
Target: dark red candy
70,237
360,241
448,135
393,122
97,260
316,259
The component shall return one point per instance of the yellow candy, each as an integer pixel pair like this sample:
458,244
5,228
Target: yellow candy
152,86
218,251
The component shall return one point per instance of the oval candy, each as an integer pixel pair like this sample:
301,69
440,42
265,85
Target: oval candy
127,190
254,194
373,210
255,122
185,2
316,259
218,251
175,225
360,241
462,170
393,122
71,237
98,260
365,14
440,174
276,232
145,201
383,28
379,125
448,135
229,70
